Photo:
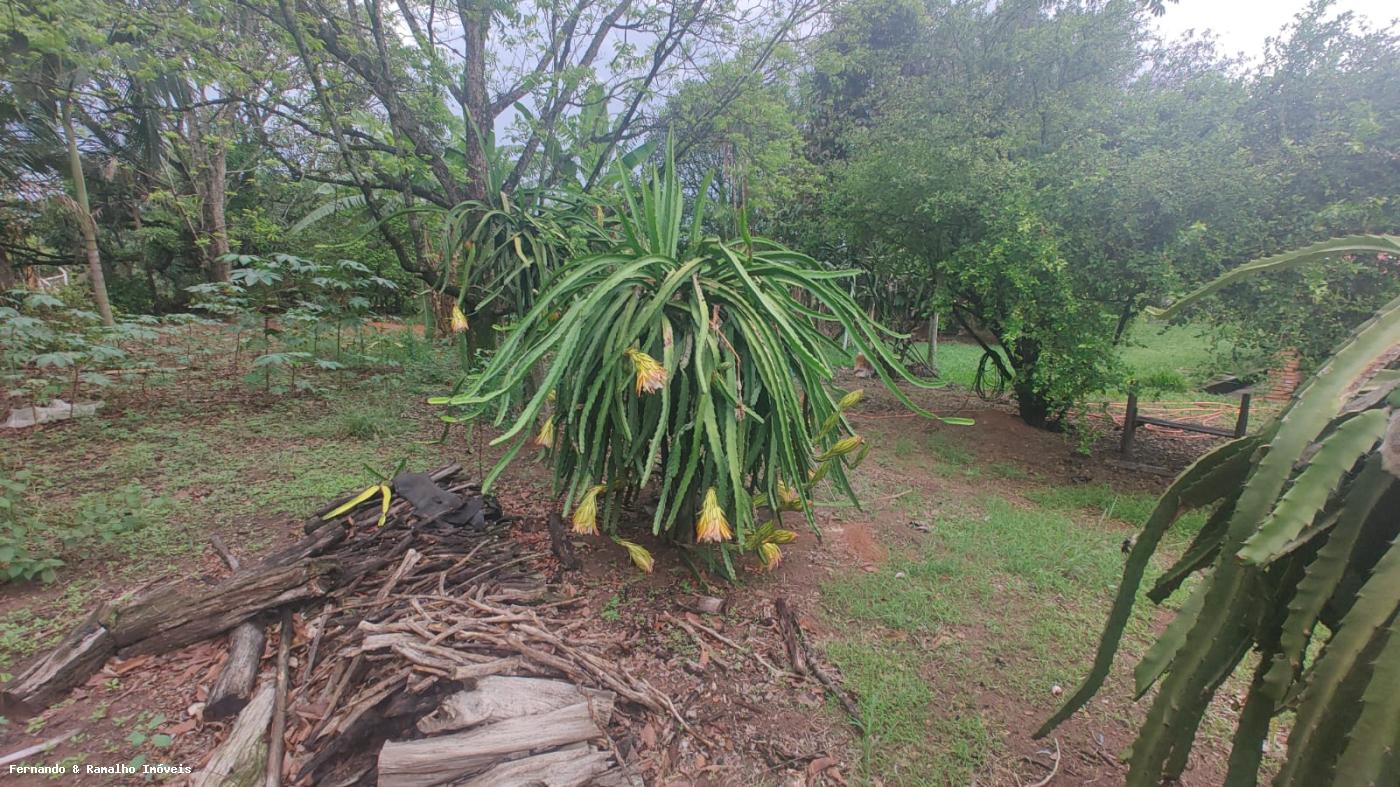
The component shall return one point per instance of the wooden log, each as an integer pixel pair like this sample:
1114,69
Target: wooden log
165,619
47,678
562,768
394,716
318,541
498,698
277,738
242,760
445,758
239,675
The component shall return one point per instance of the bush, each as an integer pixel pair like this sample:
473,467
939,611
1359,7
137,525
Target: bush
685,357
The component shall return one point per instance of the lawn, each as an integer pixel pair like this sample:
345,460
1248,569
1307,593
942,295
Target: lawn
974,630
1169,361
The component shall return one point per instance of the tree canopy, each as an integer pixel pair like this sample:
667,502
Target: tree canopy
1035,173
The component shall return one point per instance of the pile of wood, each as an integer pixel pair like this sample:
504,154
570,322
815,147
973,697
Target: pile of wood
425,651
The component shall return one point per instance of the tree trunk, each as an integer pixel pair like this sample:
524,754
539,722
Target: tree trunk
241,760
85,220
933,343
69,664
215,220
446,758
8,278
475,17
1032,405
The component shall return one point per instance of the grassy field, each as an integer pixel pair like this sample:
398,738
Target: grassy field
987,615
1177,358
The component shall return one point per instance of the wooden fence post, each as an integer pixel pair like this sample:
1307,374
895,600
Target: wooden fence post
1242,423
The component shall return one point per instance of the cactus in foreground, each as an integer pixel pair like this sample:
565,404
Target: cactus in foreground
1301,544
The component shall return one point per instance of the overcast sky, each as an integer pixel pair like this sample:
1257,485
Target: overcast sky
1242,25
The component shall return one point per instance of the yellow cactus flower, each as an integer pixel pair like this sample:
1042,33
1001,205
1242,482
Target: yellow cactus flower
586,515
545,439
651,376
712,525
851,399
771,556
788,499
459,320
843,447
780,536
640,556
815,477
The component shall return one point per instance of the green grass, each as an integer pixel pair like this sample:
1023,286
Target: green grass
1163,351
903,740
27,630
1132,508
1006,597
1178,358
228,467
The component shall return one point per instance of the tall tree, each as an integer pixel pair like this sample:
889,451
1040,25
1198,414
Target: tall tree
470,101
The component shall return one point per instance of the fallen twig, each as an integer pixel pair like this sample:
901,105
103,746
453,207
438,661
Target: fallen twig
278,740
38,748
1053,769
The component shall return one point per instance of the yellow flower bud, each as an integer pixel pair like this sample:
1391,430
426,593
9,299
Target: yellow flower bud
640,556
782,537
545,439
586,515
459,320
771,556
712,526
851,399
651,376
788,499
843,447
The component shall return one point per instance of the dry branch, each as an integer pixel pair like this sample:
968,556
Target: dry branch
563,768
278,738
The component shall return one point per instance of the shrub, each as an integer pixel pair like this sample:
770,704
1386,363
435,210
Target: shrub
685,357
